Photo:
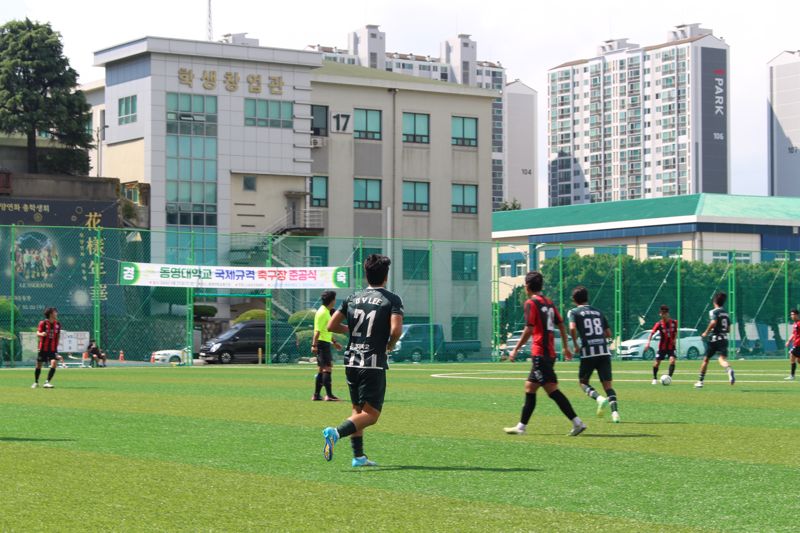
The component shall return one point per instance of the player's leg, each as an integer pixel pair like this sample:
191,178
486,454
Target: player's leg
587,366
529,405
723,362
704,365
317,385
52,372
793,366
550,383
605,375
672,360
357,438
656,364
367,390
37,371
327,368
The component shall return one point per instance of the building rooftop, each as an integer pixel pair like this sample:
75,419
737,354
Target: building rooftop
766,210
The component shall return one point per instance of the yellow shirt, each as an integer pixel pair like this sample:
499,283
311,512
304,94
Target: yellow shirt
321,319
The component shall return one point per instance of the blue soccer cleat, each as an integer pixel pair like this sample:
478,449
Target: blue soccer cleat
331,436
363,461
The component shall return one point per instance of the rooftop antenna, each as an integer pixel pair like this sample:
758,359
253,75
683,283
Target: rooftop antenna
210,28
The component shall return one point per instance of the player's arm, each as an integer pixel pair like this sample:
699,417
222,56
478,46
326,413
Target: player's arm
710,327
40,331
573,331
523,340
652,332
335,324
564,345
396,329
314,341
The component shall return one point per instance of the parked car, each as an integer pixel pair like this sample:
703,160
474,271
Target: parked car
169,356
691,345
525,351
415,344
241,343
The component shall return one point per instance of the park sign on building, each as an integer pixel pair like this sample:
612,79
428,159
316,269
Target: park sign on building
220,277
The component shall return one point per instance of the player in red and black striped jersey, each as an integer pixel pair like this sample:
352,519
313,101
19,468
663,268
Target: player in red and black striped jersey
541,319
667,328
49,331
794,343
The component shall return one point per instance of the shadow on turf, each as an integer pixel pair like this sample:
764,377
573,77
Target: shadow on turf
31,439
446,469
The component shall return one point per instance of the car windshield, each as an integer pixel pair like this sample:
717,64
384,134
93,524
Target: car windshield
230,333
643,335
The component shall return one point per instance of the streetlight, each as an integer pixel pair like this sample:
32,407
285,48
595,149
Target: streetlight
97,135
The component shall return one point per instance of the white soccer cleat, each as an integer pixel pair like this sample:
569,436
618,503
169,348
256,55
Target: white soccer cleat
788,378
34,385
615,417
514,431
47,385
577,429
602,402
654,382
698,385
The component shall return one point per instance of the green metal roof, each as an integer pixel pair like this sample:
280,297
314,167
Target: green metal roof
332,68
767,208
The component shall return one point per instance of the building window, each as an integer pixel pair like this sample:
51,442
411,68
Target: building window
521,268
415,196
464,131
415,128
465,199
318,256
268,113
127,110
367,124
415,265
187,245
465,266
465,328
660,250
319,120
319,191
132,194
367,194
505,269
249,183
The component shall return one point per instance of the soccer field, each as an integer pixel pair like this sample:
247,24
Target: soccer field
240,448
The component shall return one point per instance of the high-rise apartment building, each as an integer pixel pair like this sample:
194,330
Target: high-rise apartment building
640,121
784,124
513,166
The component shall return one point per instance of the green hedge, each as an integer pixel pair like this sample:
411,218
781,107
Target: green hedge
304,339
303,319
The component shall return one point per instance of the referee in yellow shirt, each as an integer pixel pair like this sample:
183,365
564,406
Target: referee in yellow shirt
321,347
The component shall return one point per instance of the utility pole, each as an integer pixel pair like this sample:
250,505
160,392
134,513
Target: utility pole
210,28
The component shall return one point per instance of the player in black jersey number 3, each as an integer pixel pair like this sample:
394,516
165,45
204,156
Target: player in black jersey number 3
374,321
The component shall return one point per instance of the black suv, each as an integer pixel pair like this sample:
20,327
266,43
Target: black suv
240,344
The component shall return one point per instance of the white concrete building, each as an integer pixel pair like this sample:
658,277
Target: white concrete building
640,121
457,62
784,124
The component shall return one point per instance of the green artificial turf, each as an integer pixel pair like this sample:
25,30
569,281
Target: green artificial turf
239,448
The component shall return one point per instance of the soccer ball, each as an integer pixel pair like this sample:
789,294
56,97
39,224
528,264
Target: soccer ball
666,380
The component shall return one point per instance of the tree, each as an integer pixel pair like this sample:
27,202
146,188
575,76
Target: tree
37,89
512,205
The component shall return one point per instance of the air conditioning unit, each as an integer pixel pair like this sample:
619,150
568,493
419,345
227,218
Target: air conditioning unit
318,142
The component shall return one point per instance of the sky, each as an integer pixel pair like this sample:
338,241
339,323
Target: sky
528,38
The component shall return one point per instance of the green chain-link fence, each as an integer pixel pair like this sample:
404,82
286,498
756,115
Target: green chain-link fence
462,299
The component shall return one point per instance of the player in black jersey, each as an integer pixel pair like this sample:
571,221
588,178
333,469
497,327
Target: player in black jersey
592,327
374,321
718,326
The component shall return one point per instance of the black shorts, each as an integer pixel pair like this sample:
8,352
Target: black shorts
600,363
663,354
795,351
324,357
542,370
367,385
717,347
46,357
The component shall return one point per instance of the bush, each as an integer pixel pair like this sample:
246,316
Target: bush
303,319
252,314
202,311
5,307
305,337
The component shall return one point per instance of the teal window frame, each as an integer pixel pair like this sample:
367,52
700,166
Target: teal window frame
464,131
268,113
465,199
367,124
416,196
318,187
416,265
464,265
126,110
366,193
416,128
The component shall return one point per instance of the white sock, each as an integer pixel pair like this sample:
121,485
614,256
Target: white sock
521,426
601,398
577,421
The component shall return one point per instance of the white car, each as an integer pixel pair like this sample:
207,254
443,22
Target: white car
690,346
168,356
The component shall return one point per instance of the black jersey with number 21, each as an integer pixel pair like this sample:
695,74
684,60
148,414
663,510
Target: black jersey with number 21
369,319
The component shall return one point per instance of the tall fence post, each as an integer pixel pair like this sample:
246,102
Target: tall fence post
561,279
268,309
190,307
496,304
431,343
13,264
98,235
618,301
785,296
359,266
732,304
678,311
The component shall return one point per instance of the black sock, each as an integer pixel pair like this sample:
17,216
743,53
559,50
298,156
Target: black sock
37,373
563,404
358,446
589,390
51,373
794,367
318,384
326,380
612,399
346,429
702,376
528,407
671,369
655,372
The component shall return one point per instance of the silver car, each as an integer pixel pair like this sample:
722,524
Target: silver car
689,346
